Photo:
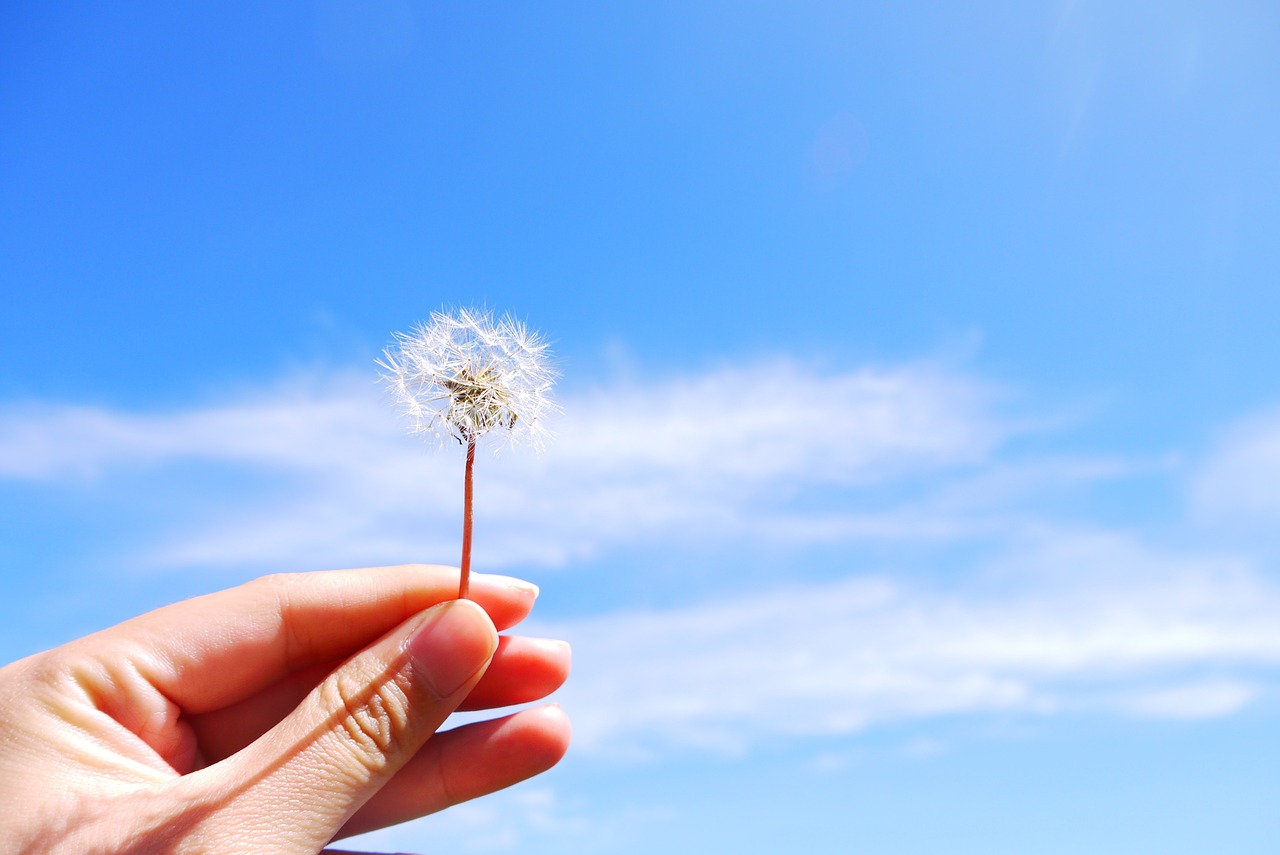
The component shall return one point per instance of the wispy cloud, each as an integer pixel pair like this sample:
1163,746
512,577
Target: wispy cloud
724,453
1200,699
1047,616
1239,482
501,822
835,658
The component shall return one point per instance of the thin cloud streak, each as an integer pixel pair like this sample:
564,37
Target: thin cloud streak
1238,484
833,659
721,454
1198,700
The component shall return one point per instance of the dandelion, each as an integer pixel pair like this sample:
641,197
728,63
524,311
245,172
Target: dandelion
464,376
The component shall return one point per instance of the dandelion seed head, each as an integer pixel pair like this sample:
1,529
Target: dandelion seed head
466,374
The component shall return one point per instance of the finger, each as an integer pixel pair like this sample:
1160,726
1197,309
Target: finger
523,670
466,763
212,651
352,734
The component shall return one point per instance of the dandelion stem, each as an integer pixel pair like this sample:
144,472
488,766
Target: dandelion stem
464,585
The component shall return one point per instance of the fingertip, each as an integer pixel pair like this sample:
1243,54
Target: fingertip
557,728
522,671
509,584
521,586
552,650
467,762
508,600
476,612
452,646
521,744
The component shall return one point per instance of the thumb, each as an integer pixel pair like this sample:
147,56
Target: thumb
299,782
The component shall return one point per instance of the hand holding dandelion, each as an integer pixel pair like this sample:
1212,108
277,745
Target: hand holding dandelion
465,375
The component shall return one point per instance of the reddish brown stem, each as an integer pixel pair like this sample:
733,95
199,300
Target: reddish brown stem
464,585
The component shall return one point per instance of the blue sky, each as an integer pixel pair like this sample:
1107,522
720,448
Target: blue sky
918,480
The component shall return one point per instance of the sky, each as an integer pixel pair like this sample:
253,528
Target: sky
917,482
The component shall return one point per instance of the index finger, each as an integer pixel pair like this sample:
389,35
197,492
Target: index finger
214,650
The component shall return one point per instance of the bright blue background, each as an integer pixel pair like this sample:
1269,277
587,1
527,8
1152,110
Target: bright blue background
1076,202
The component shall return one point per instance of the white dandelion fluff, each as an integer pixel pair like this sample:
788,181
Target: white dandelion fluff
466,375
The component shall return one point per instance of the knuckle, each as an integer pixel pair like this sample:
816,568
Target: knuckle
371,717
282,590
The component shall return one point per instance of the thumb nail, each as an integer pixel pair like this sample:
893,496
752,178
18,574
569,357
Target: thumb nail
454,642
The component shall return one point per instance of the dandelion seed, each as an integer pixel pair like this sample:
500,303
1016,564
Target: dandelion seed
466,375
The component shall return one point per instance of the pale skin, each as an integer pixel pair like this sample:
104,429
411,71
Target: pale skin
276,716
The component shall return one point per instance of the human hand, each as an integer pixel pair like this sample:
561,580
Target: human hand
275,716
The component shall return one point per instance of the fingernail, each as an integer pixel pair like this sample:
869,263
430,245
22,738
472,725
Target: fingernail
553,646
516,584
454,642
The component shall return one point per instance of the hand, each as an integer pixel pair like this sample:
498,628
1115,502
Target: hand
275,716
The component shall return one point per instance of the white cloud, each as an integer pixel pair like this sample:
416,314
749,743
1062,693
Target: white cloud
1202,699
832,659
504,821
1062,618
1239,482
721,454
287,427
